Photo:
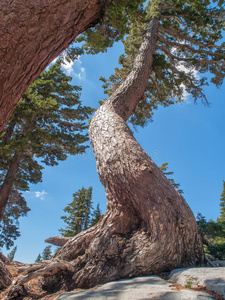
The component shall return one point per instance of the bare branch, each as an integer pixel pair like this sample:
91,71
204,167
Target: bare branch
155,83
182,59
200,51
184,36
58,240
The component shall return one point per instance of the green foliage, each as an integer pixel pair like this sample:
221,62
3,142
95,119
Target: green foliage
189,43
189,284
9,226
38,259
11,254
222,205
116,22
96,215
46,254
164,168
47,125
213,235
79,213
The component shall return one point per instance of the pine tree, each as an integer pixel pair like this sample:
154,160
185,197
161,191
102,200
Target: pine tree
47,124
38,259
213,236
96,215
78,213
164,168
9,226
11,254
46,254
222,205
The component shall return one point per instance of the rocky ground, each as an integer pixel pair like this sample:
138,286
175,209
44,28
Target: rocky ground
181,284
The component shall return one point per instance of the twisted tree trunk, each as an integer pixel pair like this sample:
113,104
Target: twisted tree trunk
148,227
33,33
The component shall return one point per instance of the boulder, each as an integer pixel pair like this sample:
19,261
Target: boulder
213,279
139,288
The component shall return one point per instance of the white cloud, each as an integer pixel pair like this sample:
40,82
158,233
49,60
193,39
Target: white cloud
68,67
37,194
181,67
74,68
40,194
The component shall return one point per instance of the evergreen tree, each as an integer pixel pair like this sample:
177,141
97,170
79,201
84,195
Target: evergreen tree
96,215
78,213
38,259
46,254
222,205
46,126
213,236
164,168
11,254
9,226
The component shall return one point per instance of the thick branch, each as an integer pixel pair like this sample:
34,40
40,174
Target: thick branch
9,181
125,99
57,240
32,35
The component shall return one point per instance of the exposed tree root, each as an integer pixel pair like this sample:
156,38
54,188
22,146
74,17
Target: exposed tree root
5,276
45,268
58,240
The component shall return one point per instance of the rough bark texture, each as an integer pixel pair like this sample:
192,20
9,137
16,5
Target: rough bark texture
5,276
7,185
32,34
148,227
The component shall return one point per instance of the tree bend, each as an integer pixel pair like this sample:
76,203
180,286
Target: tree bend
148,227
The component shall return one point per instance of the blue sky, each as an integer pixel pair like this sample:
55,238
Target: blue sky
189,137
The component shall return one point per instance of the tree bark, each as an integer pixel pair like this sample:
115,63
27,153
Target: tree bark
5,276
33,33
148,227
8,182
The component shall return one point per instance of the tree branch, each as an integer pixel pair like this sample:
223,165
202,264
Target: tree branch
125,99
58,240
184,36
200,51
182,59
155,83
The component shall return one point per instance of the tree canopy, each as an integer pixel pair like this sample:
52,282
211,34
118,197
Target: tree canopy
80,214
48,124
222,205
189,44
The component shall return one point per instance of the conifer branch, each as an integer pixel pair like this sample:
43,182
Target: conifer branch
186,46
186,37
155,83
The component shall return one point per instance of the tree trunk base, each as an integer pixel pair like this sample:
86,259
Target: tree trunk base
5,276
109,251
